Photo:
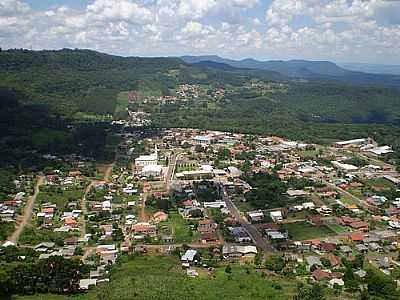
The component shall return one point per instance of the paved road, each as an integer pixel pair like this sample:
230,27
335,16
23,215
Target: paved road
255,235
344,192
171,168
27,212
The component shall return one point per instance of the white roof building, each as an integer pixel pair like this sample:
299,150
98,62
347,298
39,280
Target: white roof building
344,167
189,256
151,170
276,216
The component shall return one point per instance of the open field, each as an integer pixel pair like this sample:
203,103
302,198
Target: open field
304,231
337,228
122,102
59,196
145,278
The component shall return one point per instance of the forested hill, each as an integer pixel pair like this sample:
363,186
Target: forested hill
70,81
85,83
312,70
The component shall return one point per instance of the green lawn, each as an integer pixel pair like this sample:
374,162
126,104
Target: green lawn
180,228
337,228
244,206
153,278
304,231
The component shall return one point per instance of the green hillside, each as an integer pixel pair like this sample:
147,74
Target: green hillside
83,84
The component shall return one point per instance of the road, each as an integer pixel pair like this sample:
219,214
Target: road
171,168
108,172
254,234
84,208
344,192
27,211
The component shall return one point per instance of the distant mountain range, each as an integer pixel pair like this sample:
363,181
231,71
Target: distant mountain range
300,69
372,68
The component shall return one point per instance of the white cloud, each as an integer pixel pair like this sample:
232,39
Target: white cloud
351,30
119,10
13,7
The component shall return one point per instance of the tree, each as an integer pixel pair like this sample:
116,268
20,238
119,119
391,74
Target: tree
275,263
381,285
228,269
316,292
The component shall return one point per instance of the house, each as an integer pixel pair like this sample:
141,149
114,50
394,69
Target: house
319,275
356,236
146,160
151,171
202,140
276,216
84,284
70,221
189,257
313,261
360,225
345,249
296,193
328,247
256,216
383,262
361,248
336,282
215,204
276,235
44,246
240,234
308,205
144,228
160,216
333,260
107,229
206,226
234,172
231,251
361,273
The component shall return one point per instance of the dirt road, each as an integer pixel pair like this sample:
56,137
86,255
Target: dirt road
82,224
27,211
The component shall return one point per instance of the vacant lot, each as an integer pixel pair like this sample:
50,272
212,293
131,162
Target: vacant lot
305,231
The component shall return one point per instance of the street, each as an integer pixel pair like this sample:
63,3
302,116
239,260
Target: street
254,234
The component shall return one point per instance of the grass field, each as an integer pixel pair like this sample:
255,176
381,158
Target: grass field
122,102
304,231
153,278
60,197
337,228
179,227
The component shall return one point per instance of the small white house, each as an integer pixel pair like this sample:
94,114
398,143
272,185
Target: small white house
276,216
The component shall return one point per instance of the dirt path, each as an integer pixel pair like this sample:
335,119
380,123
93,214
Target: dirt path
108,172
142,215
27,211
82,225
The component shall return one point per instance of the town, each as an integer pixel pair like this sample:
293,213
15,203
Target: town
318,213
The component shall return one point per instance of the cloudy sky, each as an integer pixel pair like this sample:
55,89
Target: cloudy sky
338,30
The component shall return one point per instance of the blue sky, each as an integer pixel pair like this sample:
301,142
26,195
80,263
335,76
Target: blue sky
336,30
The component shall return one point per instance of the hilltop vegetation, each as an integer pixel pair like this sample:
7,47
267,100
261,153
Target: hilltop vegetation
81,84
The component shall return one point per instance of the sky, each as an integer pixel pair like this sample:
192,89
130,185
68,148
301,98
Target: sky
337,30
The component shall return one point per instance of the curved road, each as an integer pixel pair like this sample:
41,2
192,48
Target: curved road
27,211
